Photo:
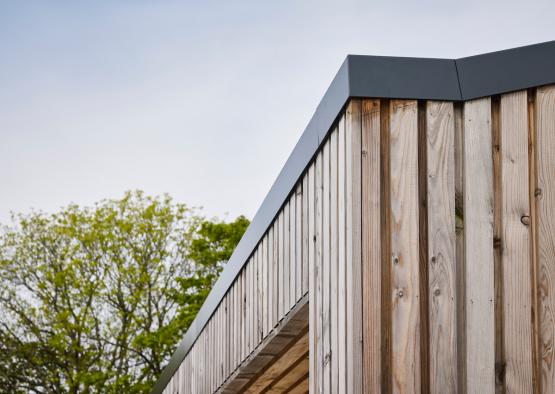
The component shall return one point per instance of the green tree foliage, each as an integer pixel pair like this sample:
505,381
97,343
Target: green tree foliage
95,300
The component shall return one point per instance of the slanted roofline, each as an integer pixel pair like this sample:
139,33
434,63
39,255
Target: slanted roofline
379,77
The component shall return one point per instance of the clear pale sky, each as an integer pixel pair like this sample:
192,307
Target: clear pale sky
202,100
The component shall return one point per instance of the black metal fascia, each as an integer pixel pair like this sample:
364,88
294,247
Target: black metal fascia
379,77
403,78
507,71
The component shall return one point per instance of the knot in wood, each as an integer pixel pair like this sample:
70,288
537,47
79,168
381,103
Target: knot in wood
525,219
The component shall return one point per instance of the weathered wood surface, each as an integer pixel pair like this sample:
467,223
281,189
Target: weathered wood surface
341,356
326,263
353,275
545,200
442,272
478,217
423,235
334,261
515,256
312,292
404,247
371,245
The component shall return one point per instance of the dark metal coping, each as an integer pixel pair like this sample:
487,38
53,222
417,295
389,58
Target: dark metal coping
381,77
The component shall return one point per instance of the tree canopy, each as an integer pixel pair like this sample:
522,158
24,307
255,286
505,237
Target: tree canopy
96,299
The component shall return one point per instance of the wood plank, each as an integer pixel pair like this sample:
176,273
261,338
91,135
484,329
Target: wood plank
281,267
334,267
202,369
371,245
459,247
478,239
545,203
248,317
255,299
517,297
292,248
297,372
213,350
238,321
326,302
312,292
440,152
497,245
286,256
226,337
270,291
532,196
299,243
297,350
221,357
286,259
353,129
258,297
235,326
306,239
405,248
251,289
264,286
276,274
318,270
244,314
216,348
301,387
341,260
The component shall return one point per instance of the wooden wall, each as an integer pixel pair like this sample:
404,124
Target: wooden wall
458,244
424,235
268,288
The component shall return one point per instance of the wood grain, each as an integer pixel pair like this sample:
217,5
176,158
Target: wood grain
281,268
298,242
371,245
341,356
326,296
319,269
275,371
442,270
545,193
404,246
286,258
276,275
353,246
292,248
306,216
517,296
312,292
478,239
334,348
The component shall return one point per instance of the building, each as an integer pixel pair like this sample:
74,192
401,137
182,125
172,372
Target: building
408,244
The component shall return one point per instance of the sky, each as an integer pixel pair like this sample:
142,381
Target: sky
201,100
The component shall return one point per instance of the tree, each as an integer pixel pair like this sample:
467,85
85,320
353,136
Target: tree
96,299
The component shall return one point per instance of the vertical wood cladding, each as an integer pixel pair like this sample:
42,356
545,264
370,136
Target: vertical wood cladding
423,236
